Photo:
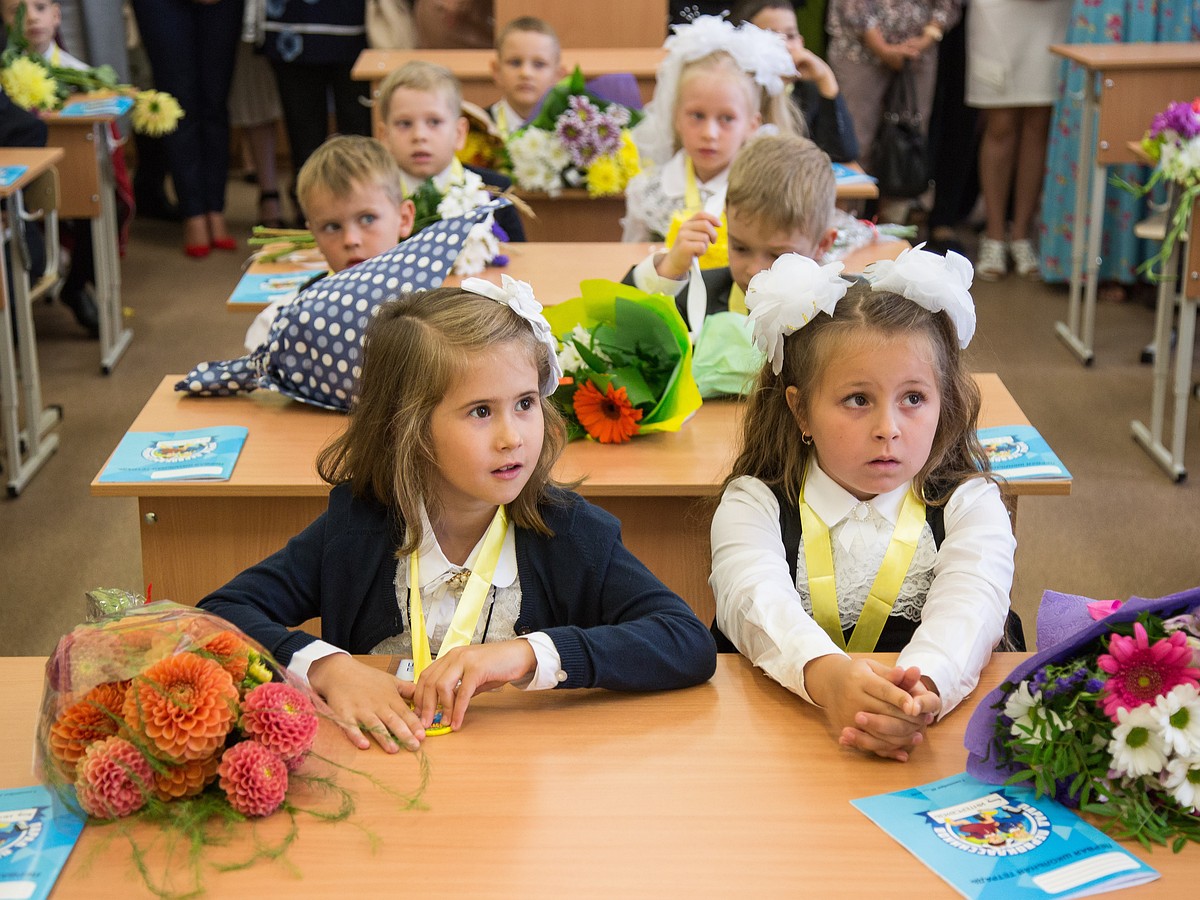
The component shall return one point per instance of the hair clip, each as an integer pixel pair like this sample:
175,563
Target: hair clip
937,283
787,296
518,296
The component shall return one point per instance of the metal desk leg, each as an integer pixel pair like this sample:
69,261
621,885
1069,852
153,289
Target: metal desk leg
114,336
1086,232
1184,348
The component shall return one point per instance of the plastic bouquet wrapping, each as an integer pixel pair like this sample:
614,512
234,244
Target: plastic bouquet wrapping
1173,142
626,360
34,83
577,140
1106,716
170,714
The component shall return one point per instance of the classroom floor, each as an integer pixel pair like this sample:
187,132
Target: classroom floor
1126,529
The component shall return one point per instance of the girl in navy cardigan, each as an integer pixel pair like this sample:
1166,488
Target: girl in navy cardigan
448,543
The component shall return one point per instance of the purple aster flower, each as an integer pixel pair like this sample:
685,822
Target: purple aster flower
499,260
500,233
1179,118
608,135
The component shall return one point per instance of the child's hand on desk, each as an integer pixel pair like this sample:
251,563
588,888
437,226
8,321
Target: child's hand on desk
695,236
459,674
872,707
366,699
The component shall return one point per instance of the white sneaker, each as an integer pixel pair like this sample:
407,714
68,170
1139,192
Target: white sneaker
1025,260
992,261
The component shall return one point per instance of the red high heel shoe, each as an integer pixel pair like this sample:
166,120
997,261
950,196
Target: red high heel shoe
225,243
196,251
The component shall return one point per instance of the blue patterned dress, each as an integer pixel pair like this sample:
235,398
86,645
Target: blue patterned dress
1102,22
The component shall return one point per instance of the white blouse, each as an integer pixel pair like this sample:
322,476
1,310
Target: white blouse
654,196
965,584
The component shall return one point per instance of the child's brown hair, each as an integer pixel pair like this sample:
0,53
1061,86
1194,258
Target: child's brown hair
530,24
775,110
344,162
784,182
419,75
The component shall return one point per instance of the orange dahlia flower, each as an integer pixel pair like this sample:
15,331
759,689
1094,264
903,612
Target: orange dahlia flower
183,705
186,779
231,652
609,417
94,717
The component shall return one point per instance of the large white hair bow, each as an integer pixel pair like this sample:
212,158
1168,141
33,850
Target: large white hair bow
938,283
518,296
762,54
787,296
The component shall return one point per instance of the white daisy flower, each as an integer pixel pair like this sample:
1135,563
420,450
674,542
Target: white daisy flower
1178,716
1137,747
1182,780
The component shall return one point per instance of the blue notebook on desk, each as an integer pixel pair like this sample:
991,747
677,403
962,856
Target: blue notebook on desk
990,841
1019,451
206,454
37,834
97,106
843,174
261,290
10,174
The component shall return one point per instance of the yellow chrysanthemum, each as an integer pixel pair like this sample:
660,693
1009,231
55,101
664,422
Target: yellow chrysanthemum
155,113
631,164
29,85
604,177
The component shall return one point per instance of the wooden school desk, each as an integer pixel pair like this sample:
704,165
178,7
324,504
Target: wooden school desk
474,72
197,535
625,23
1126,84
555,270
26,424
1185,259
87,193
731,788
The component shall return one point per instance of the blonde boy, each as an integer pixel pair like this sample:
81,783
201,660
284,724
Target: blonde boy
420,106
349,191
780,200
528,63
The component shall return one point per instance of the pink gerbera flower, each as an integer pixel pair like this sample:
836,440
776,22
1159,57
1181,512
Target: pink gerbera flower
1140,673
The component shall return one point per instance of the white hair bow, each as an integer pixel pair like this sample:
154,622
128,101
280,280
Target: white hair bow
938,283
518,296
787,296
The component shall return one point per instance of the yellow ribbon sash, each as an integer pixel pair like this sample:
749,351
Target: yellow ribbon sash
466,614
717,255
822,590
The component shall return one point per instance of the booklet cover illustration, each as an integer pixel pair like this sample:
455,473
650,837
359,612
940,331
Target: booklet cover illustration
261,290
206,453
843,174
989,841
1019,451
37,833
10,174
98,106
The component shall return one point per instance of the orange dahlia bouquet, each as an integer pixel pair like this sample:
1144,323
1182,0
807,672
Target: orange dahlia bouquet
626,360
174,715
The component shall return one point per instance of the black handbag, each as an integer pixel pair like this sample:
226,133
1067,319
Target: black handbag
900,159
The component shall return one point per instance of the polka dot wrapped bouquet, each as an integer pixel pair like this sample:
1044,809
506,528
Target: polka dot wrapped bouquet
313,351
173,716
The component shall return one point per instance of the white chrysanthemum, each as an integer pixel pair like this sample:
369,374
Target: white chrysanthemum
1178,716
938,283
785,297
479,248
1182,780
463,196
569,359
538,160
1019,706
1137,747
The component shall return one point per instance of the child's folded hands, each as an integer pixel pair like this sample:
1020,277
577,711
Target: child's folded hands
459,674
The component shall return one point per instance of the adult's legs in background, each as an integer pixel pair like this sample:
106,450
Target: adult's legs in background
953,143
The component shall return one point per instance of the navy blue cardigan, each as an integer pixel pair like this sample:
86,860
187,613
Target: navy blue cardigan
613,623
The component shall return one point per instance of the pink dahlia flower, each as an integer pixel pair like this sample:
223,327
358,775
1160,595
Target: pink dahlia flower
1141,672
282,719
253,778
112,779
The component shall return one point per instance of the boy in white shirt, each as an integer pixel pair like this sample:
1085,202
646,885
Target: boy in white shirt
528,63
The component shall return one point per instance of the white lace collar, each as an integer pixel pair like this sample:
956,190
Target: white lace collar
833,503
435,568
674,182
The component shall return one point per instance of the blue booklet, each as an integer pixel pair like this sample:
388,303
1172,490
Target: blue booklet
843,174
97,106
207,454
10,174
1018,451
261,290
988,841
37,833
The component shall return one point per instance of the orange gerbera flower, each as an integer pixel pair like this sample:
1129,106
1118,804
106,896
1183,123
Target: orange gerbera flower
609,417
184,705
94,717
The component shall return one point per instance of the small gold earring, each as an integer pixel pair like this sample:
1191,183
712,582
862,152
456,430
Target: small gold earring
806,439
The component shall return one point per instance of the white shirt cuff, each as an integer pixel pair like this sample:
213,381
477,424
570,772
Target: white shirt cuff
309,654
548,673
646,278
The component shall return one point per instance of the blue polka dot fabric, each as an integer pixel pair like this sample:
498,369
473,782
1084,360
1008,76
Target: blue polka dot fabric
314,349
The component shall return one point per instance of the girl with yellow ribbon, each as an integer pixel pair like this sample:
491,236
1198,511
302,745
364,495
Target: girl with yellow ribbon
447,542
859,515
